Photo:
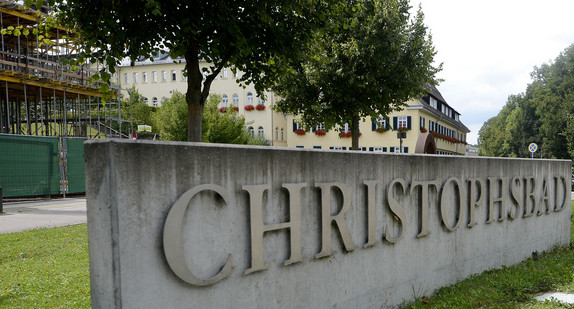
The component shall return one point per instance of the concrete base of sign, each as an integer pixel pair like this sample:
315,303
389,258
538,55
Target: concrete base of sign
259,227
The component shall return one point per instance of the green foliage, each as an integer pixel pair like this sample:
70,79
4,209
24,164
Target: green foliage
369,60
227,127
135,108
171,118
45,268
244,35
218,127
544,114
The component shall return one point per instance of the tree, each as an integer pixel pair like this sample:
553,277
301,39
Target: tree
219,126
135,108
244,35
368,61
171,118
544,114
223,126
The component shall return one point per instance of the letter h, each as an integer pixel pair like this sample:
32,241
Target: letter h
258,227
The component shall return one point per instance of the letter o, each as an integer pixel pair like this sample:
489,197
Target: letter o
173,238
443,213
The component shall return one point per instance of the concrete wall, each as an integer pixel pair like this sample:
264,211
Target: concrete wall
397,225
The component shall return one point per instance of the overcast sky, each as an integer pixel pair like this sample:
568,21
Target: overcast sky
489,48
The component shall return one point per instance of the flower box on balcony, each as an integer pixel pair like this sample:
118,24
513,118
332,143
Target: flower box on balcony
249,107
320,132
348,134
423,130
300,132
381,130
260,107
223,110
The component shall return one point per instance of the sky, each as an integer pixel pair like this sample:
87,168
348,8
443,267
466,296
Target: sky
489,48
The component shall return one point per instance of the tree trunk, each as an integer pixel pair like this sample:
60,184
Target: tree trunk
194,97
355,132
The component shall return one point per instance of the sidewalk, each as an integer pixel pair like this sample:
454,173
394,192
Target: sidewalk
20,216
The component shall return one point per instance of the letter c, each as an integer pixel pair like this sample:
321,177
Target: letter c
173,238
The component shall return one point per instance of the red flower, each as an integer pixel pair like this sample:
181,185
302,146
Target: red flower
348,134
223,110
320,132
423,130
249,107
300,132
260,107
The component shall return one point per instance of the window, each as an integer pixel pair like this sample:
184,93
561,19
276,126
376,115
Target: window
249,98
154,101
260,131
402,122
126,78
251,131
163,99
316,147
320,126
379,149
276,133
260,101
146,101
163,76
154,76
235,74
173,76
422,122
144,77
433,102
281,133
224,73
183,76
224,101
338,148
381,123
346,128
398,149
235,99
135,78
456,117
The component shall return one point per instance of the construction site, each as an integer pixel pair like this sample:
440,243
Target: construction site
41,94
47,102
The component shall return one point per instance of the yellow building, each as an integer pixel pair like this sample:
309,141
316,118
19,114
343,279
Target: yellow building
157,80
428,114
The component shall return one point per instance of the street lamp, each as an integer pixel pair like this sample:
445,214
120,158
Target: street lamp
400,136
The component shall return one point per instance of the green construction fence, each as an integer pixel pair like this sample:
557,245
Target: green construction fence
31,165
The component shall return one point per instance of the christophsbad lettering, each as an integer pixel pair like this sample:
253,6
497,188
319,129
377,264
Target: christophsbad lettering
460,202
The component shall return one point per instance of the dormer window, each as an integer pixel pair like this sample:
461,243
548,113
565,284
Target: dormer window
433,102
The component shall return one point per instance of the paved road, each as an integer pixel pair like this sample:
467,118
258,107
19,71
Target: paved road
20,216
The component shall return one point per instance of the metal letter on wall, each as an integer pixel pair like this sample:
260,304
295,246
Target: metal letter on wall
258,227
173,238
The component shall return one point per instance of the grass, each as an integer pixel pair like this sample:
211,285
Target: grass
45,268
48,268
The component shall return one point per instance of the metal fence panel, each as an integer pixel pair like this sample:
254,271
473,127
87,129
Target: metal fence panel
75,170
29,165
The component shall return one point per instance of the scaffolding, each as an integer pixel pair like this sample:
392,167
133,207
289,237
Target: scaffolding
41,93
